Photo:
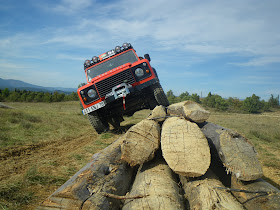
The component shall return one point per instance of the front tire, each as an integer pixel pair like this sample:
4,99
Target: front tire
115,121
99,124
160,95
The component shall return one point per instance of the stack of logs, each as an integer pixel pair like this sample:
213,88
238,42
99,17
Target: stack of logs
174,159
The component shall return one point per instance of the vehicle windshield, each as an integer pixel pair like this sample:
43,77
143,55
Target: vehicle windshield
128,57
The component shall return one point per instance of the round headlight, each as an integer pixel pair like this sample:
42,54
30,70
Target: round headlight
125,45
87,63
118,49
91,93
95,59
139,72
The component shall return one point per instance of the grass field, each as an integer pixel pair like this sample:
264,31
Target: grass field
42,145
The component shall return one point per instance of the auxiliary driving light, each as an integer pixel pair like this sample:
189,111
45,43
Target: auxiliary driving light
87,63
126,45
118,49
95,59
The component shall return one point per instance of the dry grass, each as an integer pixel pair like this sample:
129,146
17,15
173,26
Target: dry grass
42,145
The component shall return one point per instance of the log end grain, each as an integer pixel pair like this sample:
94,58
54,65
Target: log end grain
239,156
140,142
184,147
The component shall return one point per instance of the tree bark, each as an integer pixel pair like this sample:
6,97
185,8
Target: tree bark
140,142
266,196
190,110
202,193
157,183
106,173
236,152
184,147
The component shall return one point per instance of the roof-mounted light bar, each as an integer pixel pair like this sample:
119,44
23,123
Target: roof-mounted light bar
118,49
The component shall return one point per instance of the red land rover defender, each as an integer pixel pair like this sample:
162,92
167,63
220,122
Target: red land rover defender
119,83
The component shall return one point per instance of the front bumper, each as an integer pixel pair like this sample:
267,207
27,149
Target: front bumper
133,90
120,91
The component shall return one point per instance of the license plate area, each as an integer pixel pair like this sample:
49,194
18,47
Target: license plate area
94,107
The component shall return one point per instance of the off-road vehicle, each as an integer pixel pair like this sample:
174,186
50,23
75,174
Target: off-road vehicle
119,83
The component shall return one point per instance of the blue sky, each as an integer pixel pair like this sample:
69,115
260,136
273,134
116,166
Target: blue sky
231,48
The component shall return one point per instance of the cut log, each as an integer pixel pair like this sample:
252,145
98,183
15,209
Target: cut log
190,110
236,152
5,106
184,147
157,183
202,193
106,173
140,142
158,114
268,196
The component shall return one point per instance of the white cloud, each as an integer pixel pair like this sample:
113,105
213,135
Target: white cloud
200,29
215,27
67,7
208,27
260,61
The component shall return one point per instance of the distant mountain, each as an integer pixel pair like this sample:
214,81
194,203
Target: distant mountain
12,84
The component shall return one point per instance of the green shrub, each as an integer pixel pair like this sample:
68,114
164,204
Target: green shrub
252,104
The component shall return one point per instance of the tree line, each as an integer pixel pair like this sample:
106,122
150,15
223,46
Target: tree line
252,104
33,96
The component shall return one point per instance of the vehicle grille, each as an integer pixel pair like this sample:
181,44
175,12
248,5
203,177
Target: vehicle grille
105,86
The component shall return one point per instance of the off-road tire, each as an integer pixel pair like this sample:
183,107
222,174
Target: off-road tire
160,95
97,123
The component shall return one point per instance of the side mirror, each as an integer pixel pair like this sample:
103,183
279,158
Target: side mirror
147,56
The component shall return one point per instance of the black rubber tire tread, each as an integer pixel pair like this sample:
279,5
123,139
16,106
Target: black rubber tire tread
99,125
160,95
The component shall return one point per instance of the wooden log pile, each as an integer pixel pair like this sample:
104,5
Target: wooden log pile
174,159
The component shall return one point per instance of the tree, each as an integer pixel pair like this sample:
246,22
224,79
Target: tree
1,96
184,96
273,102
171,97
6,93
252,104
195,97
72,97
47,97
23,96
14,96
234,104
30,96
209,100
39,97
220,103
